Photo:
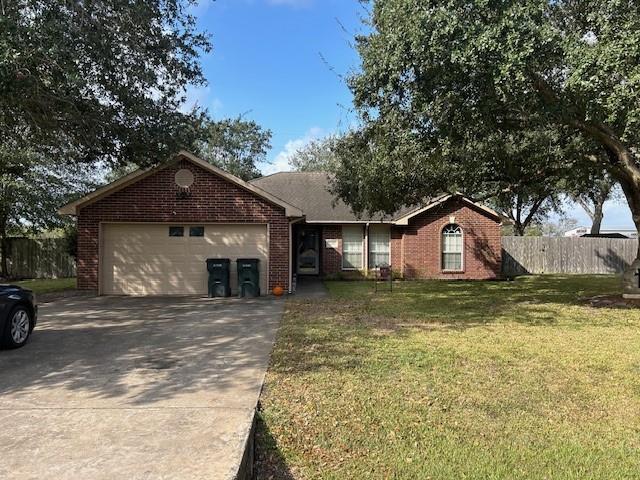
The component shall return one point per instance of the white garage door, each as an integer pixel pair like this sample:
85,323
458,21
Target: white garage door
161,259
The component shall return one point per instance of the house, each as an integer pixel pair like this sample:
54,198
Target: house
150,232
604,233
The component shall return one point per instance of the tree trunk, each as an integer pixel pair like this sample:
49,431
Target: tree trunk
518,229
597,218
631,277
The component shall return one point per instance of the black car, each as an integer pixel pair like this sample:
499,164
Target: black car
18,315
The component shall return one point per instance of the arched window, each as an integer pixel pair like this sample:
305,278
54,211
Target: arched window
452,247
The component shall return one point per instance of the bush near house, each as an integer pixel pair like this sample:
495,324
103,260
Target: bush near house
446,380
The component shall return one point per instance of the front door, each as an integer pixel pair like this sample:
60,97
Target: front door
308,252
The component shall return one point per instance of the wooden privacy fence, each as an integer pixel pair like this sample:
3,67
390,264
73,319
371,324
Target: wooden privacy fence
40,258
522,255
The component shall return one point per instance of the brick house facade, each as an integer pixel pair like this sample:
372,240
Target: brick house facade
416,249
412,244
155,198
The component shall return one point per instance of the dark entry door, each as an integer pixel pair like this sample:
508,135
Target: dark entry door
308,252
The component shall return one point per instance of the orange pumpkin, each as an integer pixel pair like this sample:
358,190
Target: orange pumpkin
278,291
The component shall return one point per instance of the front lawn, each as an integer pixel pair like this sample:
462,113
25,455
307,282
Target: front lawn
48,285
444,380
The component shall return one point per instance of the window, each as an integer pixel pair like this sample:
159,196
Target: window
352,247
196,231
176,231
379,252
452,248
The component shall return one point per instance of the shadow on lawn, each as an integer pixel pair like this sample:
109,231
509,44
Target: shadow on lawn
269,463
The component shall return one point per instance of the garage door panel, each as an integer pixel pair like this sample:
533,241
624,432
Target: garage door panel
142,259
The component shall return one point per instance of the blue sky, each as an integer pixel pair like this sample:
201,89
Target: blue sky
282,63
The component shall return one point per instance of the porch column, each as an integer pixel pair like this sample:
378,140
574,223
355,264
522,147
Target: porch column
366,249
290,256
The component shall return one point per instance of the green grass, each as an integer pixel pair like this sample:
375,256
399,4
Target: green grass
42,285
442,380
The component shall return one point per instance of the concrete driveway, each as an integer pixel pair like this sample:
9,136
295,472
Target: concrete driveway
135,388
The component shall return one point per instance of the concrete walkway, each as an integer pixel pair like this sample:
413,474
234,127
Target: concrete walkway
135,388
310,288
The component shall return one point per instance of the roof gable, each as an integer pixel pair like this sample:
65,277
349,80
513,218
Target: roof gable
73,207
404,219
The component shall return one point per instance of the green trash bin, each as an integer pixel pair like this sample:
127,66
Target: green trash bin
248,277
219,283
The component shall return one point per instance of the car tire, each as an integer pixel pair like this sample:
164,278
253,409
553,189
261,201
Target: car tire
18,327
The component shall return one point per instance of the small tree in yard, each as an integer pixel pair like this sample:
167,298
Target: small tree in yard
525,210
445,86
592,193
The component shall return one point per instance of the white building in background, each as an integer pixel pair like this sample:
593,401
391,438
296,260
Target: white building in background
577,232
580,231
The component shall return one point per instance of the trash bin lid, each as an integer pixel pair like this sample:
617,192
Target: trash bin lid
218,261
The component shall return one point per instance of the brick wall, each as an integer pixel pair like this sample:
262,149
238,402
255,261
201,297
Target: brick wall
154,199
396,250
416,249
422,244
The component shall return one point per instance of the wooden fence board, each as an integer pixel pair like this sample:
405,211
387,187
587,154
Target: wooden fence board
40,258
537,255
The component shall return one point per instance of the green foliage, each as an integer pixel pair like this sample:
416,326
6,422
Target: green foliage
235,145
491,98
71,240
98,80
32,188
591,190
120,171
316,156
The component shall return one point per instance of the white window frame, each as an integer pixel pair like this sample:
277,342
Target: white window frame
362,253
442,250
369,249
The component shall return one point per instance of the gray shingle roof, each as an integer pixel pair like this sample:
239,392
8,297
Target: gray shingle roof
309,191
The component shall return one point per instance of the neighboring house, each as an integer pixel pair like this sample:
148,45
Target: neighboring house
604,233
150,232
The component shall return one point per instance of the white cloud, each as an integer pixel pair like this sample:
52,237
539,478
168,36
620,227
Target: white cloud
280,162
